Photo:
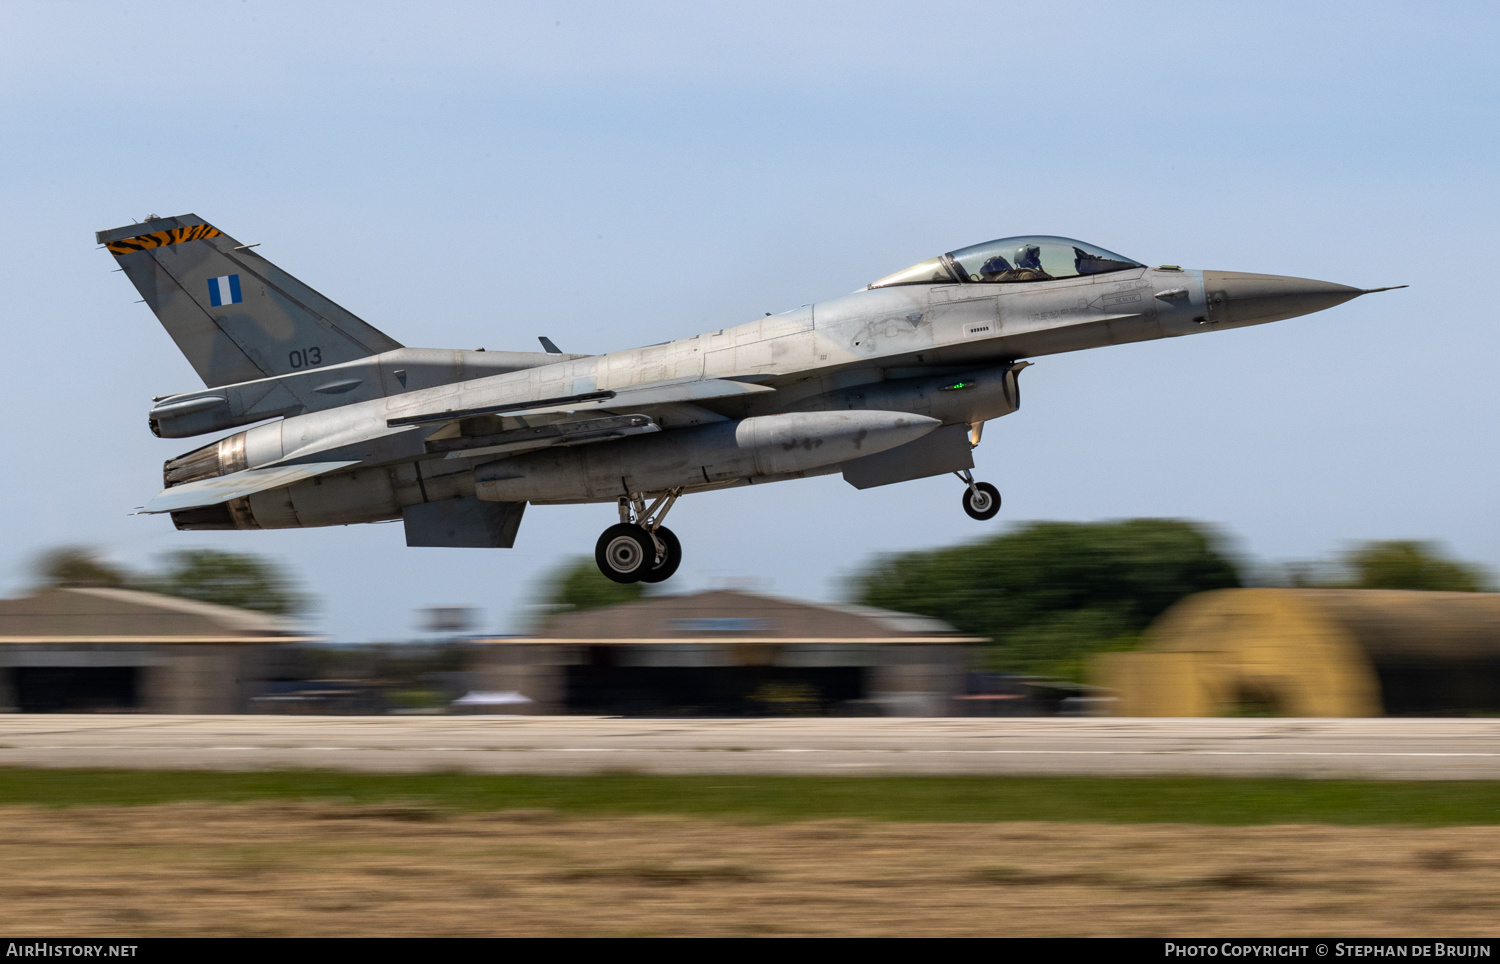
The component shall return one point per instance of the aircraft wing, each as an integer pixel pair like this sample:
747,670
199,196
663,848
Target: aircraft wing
236,485
658,393
596,425
577,431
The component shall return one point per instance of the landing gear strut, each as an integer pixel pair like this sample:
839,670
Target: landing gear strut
639,548
981,500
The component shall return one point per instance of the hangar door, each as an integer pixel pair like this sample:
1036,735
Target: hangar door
707,681
76,689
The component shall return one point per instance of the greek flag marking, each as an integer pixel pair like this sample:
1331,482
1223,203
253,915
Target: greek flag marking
224,291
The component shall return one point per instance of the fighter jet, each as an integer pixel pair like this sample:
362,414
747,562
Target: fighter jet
891,383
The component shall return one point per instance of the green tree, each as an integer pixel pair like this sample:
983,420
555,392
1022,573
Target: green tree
1411,565
228,579
578,584
76,566
1050,593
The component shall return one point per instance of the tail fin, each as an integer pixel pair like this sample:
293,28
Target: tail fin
235,315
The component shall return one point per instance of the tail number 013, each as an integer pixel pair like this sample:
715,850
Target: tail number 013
306,357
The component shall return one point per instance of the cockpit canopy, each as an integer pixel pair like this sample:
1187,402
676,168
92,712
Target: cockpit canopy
1009,260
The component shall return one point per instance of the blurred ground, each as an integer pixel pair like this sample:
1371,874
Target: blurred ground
316,869
1225,801
1379,749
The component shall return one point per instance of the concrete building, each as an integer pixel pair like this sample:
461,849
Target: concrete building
731,653
1306,652
116,650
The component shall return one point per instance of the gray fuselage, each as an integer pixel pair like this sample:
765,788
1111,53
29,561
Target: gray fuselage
945,353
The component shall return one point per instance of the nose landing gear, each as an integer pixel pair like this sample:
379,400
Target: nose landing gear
981,500
639,548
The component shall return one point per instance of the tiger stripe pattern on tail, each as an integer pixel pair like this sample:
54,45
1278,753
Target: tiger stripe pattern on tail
160,239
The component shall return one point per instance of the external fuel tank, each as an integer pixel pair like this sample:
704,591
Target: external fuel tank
751,448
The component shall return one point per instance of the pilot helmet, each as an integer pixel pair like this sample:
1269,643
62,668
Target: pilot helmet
995,265
1029,256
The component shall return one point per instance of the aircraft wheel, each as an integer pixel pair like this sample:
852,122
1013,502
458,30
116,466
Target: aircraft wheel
624,552
982,501
661,569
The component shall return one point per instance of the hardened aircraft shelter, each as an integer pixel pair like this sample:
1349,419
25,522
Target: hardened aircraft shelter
1306,652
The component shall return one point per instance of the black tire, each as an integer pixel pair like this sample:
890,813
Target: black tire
624,552
982,502
661,569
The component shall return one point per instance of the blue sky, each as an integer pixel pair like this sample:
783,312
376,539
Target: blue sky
465,175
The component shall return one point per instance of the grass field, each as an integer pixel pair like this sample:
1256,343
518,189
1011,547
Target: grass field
313,853
278,868
1215,801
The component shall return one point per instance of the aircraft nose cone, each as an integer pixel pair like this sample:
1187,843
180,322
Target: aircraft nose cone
1237,297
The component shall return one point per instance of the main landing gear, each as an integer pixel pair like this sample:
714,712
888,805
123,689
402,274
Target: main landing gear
640,548
981,500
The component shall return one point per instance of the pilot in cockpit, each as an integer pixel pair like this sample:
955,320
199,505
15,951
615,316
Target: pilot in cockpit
1028,266
1029,256
1028,260
992,269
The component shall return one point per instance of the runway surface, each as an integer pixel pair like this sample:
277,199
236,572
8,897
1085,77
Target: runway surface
1395,749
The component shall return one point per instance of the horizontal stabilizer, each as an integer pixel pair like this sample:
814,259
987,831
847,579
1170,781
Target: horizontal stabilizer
658,393
236,485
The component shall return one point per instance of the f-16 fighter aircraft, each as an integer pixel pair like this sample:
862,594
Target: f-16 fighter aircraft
891,383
